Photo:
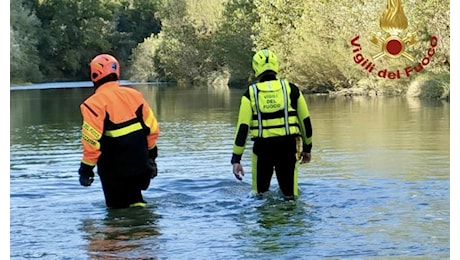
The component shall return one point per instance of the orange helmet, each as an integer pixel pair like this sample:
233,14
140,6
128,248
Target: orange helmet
103,65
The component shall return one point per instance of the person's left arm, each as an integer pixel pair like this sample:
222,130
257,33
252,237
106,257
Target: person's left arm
303,116
152,124
153,129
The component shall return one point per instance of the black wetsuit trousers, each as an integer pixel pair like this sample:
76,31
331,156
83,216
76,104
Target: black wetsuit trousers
122,191
276,154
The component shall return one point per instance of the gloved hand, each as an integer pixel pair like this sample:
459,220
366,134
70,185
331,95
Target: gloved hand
152,165
86,174
153,153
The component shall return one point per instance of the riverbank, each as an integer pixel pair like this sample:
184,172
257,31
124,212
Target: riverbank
426,87
74,84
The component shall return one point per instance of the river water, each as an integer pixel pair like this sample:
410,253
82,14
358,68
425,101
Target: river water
377,186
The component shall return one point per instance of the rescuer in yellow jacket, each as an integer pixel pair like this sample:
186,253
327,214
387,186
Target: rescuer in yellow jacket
276,115
119,135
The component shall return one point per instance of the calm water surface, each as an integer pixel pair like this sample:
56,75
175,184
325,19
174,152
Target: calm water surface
377,186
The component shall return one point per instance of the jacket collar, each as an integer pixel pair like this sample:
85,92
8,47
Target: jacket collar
108,85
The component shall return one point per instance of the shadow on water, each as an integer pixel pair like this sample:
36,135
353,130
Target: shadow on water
123,234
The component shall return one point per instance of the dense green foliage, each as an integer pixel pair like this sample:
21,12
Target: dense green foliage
212,42
64,35
24,36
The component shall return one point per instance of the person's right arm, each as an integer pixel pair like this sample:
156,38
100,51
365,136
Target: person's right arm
241,134
91,133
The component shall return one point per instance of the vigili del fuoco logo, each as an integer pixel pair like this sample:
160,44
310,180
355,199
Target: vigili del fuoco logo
394,44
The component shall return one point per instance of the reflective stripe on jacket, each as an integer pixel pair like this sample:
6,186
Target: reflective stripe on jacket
272,108
273,114
119,128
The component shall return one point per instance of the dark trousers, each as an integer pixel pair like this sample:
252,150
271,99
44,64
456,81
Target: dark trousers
278,155
121,192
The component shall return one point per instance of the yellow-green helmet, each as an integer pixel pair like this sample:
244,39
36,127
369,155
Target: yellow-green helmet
264,60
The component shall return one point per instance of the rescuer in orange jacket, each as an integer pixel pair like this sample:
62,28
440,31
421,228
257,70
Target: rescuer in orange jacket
119,135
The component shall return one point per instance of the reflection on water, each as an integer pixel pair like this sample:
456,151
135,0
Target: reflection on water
380,136
189,104
281,226
46,107
123,234
377,186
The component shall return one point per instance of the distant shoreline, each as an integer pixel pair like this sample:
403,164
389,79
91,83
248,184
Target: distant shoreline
72,84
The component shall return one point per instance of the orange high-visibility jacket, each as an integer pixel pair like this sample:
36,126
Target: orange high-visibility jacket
119,128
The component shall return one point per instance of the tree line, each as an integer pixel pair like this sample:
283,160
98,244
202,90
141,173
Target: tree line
196,42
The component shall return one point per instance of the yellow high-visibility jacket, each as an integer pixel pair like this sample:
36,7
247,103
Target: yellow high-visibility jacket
272,108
